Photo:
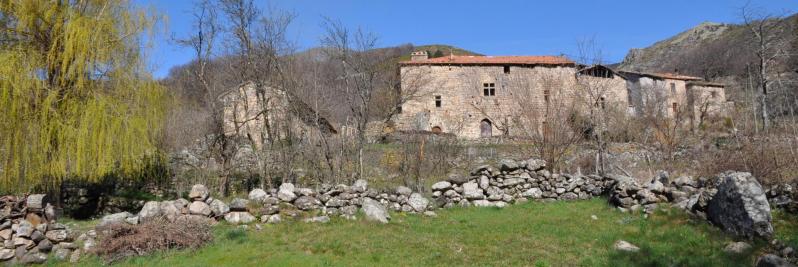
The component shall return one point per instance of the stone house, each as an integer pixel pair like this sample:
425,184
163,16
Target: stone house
485,96
675,96
262,113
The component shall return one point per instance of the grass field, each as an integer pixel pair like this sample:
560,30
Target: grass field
532,234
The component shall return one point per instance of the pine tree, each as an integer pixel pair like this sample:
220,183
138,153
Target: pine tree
76,101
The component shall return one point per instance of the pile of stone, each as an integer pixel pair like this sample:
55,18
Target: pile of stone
628,195
516,181
29,232
784,196
200,208
339,200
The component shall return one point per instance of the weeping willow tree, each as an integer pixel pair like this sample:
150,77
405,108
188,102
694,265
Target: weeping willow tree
76,100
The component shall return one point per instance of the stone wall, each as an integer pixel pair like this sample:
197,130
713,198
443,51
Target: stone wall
29,232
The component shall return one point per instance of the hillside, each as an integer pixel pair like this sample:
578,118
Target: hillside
652,58
709,50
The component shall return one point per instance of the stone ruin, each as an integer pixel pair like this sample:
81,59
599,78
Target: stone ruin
29,232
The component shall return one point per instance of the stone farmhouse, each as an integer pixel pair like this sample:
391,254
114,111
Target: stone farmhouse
260,113
485,96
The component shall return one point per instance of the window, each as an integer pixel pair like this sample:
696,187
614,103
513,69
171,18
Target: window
675,108
437,101
713,94
673,88
506,69
489,89
546,96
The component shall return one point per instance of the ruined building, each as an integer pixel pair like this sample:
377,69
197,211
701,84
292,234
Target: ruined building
263,113
485,96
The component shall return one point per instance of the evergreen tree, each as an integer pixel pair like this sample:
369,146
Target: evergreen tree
75,97
438,53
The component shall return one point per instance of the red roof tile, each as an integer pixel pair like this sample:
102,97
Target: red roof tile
492,60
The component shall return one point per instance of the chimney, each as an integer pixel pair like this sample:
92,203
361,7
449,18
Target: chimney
419,55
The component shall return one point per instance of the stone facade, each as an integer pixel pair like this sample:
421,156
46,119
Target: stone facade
261,113
481,96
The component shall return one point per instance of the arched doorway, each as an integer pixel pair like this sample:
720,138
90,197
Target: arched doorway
485,128
437,130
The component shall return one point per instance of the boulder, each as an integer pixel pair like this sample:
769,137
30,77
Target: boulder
534,164
151,209
374,211
508,165
44,246
418,202
360,186
114,218
441,186
404,190
36,201
770,260
198,192
335,202
239,204
6,254
199,208
33,258
258,195
239,217
274,219
471,190
532,193
740,206
58,236
286,192
25,229
737,248
455,178
307,203
171,209
218,208
625,246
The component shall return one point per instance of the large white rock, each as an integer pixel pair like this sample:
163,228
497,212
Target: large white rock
533,193
360,185
441,186
219,208
418,202
199,208
258,195
740,206
151,209
198,192
471,190
6,254
404,190
625,246
286,192
375,211
114,218
239,217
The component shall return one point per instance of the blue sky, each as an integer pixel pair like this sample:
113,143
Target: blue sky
512,27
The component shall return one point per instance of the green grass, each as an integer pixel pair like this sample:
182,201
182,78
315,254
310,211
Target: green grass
540,234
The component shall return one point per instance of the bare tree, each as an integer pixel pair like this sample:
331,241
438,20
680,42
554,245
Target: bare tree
768,36
358,76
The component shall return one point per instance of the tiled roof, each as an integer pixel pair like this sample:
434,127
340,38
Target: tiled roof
492,60
665,75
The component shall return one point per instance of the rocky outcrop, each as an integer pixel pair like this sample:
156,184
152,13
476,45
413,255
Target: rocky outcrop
740,206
